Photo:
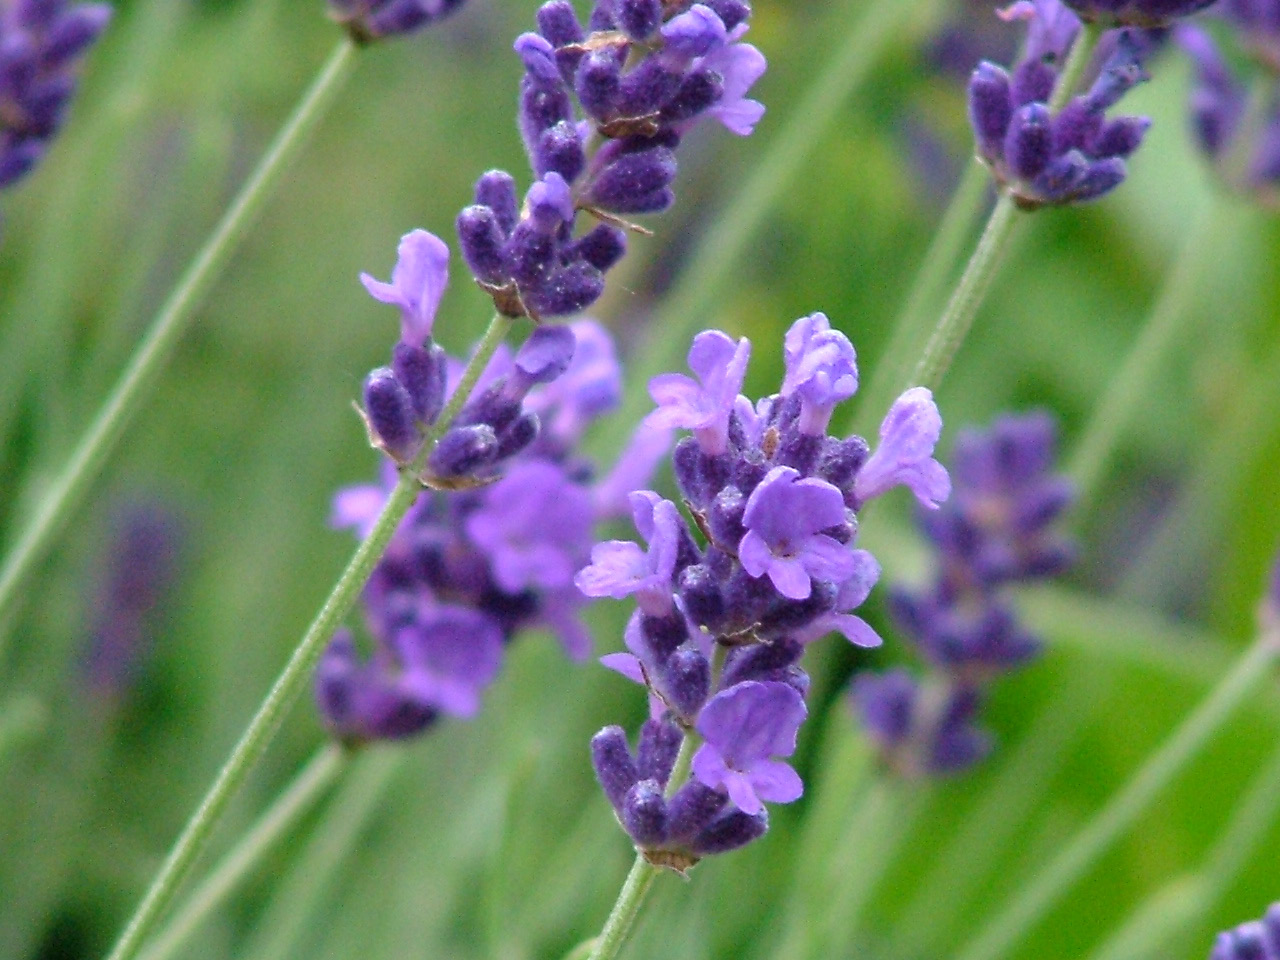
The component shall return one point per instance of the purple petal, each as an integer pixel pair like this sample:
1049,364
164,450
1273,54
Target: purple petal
776,782
417,283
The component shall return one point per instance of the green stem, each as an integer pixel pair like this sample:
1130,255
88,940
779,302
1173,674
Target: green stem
957,318
293,804
1109,824
1082,51
1130,385
1151,926
291,911
20,719
91,453
253,742
625,910
894,365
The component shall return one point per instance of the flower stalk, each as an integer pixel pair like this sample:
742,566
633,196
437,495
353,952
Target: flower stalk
91,453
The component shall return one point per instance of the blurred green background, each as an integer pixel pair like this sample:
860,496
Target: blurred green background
490,839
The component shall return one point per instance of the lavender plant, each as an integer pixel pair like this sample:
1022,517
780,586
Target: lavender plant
481,525
995,531
723,618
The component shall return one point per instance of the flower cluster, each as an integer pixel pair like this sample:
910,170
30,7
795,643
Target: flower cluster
403,400
41,45
369,20
1044,158
1256,940
728,599
995,531
642,72
469,568
1241,138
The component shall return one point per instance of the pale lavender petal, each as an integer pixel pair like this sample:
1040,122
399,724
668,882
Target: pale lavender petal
776,782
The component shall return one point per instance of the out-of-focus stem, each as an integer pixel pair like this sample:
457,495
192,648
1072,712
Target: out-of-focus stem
1079,853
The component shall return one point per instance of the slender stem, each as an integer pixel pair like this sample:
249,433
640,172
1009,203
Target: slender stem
291,911
894,365
1148,930
957,318
1125,807
625,910
1082,51
966,863
1129,386
864,852
294,803
253,742
124,401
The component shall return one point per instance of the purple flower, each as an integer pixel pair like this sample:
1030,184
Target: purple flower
908,436
784,518
620,568
920,731
449,656
589,388
417,283
821,369
739,65
745,727
534,526
1255,940
852,593
703,405
361,701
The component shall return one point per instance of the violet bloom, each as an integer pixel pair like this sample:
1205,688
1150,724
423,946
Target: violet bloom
449,655
417,283
703,405
42,44
369,20
744,729
851,594
908,436
534,526
1042,158
1137,13
619,568
784,518
366,700
821,369
1255,940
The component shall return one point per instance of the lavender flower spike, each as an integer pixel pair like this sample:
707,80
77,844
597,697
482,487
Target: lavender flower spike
908,436
744,728
784,519
417,283
1148,14
704,405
